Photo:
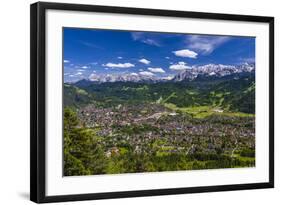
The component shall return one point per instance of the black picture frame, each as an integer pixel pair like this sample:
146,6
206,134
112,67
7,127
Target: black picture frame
38,103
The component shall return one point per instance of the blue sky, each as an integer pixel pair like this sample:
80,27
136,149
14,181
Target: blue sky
99,52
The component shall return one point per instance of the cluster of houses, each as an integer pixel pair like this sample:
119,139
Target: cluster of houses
176,132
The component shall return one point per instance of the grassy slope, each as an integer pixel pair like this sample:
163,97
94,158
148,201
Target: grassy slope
206,111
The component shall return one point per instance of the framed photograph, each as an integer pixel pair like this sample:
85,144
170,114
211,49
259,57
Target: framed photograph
129,102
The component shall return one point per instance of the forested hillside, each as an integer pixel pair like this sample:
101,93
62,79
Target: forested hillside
233,93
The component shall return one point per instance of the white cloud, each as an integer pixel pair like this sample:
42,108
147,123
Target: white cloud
120,57
151,42
119,65
146,73
134,74
205,44
144,61
89,44
168,77
137,35
93,77
167,57
156,70
146,38
85,67
81,70
79,73
66,61
180,66
185,53
247,60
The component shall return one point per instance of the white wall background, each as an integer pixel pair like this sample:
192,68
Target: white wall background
14,101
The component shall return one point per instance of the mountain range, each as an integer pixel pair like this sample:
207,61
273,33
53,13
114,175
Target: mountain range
214,70
229,87
207,71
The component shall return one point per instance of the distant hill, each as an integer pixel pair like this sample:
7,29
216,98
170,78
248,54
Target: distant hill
75,96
